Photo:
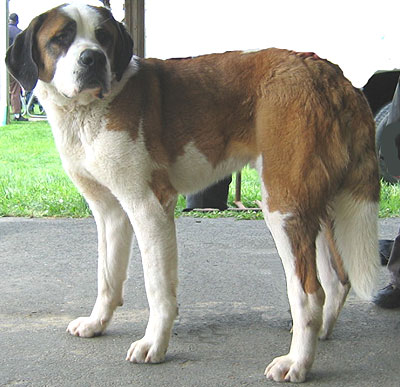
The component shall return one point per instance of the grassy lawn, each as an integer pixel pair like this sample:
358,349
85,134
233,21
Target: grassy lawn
33,183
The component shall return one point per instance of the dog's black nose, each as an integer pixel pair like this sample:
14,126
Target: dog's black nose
92,58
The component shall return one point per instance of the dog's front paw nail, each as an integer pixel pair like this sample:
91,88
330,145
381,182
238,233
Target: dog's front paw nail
144,351
85,327
286,369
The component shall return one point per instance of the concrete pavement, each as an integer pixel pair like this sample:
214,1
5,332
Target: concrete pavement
233,320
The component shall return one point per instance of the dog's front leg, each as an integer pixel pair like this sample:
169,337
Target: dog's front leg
114,247
154,228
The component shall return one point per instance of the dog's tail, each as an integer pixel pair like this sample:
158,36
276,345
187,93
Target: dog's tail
356,237
356,205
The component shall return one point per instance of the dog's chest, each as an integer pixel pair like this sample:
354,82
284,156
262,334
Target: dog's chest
89,148
76,133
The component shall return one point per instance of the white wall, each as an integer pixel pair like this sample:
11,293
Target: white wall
361,36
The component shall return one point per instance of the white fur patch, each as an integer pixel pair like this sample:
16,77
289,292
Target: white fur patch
192,171
356,230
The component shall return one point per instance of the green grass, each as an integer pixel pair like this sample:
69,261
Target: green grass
390,200
33,183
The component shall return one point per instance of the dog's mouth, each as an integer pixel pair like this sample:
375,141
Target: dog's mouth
95,85
97,91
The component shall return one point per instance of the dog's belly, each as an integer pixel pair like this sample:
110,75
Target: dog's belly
193,172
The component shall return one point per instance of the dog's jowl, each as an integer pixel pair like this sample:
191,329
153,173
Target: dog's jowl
133,133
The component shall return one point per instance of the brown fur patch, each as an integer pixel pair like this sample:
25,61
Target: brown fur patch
362,178
336,259
125,112
162,188
195,100
314,130
47,52
302,234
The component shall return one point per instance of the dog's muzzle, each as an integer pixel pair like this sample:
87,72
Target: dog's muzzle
93,74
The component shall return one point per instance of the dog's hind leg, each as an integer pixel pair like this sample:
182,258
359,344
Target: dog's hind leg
295,241
333,278
114,247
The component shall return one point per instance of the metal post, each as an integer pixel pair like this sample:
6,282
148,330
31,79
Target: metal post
238,193
238,185
134,19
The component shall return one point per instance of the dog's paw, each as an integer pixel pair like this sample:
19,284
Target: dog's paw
285,369
324,333
145,351
85,327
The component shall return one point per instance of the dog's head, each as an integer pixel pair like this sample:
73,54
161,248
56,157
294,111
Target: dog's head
76,48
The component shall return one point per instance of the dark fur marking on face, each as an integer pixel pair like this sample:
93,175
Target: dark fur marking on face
53,40
62,40
115,40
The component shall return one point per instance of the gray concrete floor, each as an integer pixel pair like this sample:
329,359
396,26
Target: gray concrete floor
233,320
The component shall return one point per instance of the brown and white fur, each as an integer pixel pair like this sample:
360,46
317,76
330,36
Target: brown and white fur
133,133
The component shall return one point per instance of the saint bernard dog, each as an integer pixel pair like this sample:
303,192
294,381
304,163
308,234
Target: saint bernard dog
132,133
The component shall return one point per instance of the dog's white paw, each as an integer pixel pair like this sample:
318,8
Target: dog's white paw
145,351
285,369
86,327
324,333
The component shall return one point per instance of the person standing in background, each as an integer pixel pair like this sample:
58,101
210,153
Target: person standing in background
15,88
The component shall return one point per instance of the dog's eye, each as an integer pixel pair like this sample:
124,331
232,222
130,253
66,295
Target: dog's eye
102,36
60,38
66,36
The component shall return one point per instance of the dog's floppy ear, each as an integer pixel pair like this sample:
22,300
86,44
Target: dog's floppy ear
123,51
21,58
